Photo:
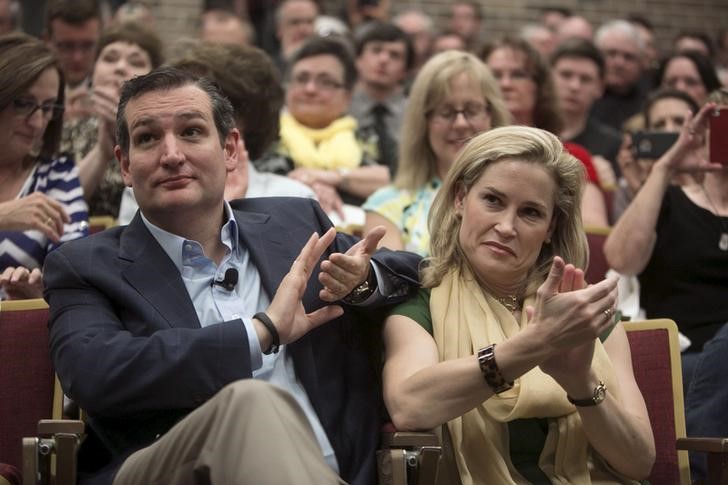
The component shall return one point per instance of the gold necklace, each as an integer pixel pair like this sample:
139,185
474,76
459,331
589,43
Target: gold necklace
723,241
510,302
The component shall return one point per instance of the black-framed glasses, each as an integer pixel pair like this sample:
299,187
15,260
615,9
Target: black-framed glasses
27,107
321,82
473,113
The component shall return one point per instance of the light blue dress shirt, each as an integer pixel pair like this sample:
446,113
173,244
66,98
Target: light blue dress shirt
214,304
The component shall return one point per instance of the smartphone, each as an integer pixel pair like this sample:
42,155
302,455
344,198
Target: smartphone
652,144
718,144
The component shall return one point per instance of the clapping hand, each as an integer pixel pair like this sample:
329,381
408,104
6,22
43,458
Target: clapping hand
286,310
37,212
341,273
572,315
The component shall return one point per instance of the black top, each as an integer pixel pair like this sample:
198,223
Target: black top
602,140
613,109
686,278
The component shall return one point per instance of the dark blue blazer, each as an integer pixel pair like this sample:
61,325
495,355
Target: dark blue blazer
129,349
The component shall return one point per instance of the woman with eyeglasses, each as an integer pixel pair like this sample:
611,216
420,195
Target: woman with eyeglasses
41,201
124,51
453,98
320,144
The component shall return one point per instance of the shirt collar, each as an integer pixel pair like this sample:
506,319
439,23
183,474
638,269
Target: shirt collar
173,244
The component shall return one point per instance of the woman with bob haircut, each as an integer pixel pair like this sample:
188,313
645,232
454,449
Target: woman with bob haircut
41,201
124,51
453,98
527,366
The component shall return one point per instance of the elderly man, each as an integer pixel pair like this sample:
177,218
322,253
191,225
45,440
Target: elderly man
295,21
624,94
158,328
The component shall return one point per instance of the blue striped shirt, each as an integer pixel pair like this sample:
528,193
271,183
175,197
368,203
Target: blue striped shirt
57,179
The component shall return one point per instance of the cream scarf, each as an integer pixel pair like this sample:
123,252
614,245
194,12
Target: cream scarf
464,320
327,148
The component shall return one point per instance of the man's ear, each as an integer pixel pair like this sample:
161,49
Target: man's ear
123,159
231,149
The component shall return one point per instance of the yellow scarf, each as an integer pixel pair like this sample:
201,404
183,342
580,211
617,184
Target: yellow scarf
464,320
327,148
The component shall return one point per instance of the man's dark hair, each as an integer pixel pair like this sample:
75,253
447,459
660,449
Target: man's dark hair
565,11
641,20
386,32
579,49
249,79
74,12
700,36
166,78
474,5
333,46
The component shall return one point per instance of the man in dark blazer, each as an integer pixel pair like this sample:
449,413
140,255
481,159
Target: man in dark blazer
148,322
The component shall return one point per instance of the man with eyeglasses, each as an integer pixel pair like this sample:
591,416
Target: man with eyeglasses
294,24
73,28
624,95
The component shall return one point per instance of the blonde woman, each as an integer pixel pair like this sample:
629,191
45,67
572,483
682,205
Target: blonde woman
453,98
505,343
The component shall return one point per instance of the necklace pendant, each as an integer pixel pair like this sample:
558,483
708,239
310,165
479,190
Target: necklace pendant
723,243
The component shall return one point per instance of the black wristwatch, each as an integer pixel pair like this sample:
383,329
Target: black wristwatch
600,393
360,293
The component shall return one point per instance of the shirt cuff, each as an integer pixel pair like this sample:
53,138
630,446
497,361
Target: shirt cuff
256,354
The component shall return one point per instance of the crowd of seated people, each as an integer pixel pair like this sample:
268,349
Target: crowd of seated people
487,157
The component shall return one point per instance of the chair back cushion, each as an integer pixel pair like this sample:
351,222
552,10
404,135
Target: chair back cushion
598,265
652,369
26,378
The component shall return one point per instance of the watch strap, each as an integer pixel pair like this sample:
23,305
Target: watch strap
491,373
600,393
275,338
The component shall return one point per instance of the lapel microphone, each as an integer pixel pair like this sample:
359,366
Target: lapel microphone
229,280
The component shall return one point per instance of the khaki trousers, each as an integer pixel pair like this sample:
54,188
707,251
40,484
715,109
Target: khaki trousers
250,432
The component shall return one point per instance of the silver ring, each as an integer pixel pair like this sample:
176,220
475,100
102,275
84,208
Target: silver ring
608,313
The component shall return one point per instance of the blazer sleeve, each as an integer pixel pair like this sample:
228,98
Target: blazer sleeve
115,355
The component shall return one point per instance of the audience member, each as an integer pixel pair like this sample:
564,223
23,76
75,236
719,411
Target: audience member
650,53
361,13
384,54
528,89
722,56
167,378
695,41
691,72
666,110
540,38
135,11
294,24
559,402
575,27
552,16
220,26
625,91
9,11
448,41
320,144
674,239
578,71
41,202
72,30
453,98
124,51
466,18
250,81
419,26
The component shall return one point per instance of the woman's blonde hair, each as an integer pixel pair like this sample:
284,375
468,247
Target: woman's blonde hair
417,161
524,144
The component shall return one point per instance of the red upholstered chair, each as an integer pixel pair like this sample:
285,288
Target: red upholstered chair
598,265
26,374
100,223
29,394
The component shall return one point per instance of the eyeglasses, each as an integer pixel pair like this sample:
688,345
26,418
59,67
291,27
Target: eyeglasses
68,47
473,113
322,82
27,107
514,75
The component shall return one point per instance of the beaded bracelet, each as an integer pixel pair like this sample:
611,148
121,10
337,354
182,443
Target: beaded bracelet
490,370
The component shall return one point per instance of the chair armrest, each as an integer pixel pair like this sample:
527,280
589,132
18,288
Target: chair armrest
55,436
705,445
409,439
408,457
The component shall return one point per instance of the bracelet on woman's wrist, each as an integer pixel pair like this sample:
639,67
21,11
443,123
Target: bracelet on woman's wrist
490,370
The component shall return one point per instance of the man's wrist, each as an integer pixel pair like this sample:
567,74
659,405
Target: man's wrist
364,290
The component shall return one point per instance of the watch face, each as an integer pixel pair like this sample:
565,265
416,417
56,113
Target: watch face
600,393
